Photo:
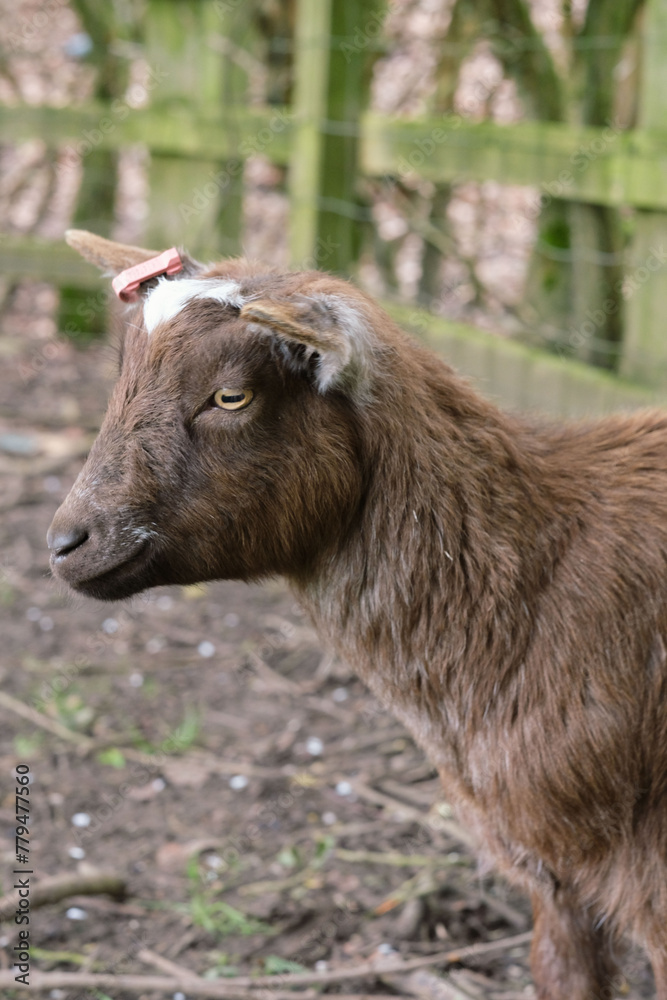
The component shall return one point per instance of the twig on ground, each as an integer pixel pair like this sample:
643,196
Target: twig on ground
234,986
165,984
43,721
442,825
57,887
426,985
149,957
388,858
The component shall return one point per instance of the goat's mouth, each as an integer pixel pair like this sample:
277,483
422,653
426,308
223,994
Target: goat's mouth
113,582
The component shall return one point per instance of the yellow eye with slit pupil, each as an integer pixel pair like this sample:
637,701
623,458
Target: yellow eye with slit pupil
233,399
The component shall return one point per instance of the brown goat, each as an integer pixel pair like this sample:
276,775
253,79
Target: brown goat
501,585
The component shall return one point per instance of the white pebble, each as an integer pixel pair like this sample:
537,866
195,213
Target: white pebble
206,649
159,784
215,862
238,781
314,746
57,995
343,788
33,614
179,996
109,625
386,949
321,966
329,818
74,913
46,623
231,620
81,819
76,852
136,679
340,694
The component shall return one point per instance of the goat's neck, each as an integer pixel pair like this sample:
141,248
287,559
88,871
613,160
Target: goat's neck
429,596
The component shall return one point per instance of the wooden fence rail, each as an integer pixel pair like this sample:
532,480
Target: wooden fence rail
326,140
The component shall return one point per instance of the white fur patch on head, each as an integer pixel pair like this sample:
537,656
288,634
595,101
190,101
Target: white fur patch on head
170,296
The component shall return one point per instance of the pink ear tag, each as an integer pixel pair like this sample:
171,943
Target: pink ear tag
126,284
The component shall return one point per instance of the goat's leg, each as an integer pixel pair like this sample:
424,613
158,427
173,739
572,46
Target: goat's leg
569,959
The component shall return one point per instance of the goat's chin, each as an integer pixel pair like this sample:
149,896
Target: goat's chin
115,584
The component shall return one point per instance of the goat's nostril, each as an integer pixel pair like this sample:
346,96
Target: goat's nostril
63,542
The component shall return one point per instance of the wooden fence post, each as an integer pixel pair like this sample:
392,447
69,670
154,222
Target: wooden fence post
332,43
645,291
197,203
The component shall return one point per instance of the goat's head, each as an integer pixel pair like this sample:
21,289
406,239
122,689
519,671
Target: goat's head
229,449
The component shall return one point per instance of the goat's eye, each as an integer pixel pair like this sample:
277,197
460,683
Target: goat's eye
233,399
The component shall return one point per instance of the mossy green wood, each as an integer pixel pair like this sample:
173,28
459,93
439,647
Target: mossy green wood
81,315
524,378
195,202
578,163
185,133
333,41
311,76
645,345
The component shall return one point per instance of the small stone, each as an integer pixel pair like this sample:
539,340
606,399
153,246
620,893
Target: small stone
136,679
314,746
206,649
215,862
109,625
74,913
81,820
238,782
321,966
343,788
76,852
386,949
340,694
155,644
329,818
158,784
46,623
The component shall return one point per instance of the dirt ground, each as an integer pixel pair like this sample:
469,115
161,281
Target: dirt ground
262,812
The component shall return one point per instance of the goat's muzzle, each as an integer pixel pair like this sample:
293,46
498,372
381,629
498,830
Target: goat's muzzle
103,560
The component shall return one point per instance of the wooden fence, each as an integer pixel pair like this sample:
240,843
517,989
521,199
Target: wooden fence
326,138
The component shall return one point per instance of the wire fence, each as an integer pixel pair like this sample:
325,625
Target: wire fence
462,201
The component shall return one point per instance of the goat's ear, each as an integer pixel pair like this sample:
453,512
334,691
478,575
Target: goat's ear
325,326
105,254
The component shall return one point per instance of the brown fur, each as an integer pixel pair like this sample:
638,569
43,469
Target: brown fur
500,585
